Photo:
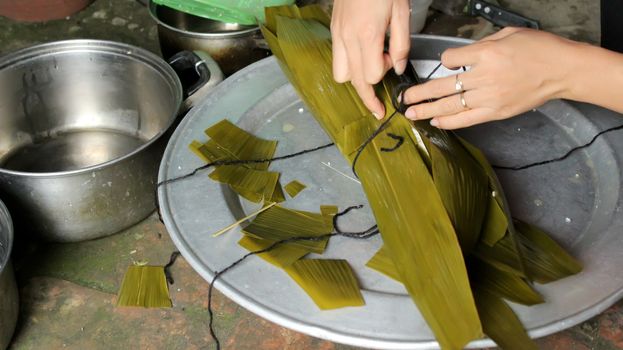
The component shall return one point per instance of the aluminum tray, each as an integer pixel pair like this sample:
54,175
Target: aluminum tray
578,200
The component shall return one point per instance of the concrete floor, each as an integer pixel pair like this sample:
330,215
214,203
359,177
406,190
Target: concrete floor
68,291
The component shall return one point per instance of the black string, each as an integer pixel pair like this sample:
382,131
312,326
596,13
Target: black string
243,162
400,140
370,139
561,158
167,267
372,231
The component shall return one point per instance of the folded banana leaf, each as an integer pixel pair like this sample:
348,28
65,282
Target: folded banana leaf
410,213
436,199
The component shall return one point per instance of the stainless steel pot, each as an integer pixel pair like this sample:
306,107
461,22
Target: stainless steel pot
232,45
9,299
83,124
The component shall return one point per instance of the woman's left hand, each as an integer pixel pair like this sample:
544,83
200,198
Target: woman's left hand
511,72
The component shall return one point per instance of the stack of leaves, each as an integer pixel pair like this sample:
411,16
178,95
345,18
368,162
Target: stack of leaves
447,231
330,283
251,180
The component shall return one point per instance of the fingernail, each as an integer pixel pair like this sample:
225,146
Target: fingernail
376,115
400,66
434,122
399,98
410,113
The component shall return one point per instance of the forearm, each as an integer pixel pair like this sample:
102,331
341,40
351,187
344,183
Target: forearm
595,76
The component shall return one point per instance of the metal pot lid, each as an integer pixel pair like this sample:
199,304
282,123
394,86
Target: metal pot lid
577,200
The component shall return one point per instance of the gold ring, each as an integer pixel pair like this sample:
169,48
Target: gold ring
458,85
463,102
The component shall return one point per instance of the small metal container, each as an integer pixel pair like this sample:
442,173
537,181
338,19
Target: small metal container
9,299
233,46
83,124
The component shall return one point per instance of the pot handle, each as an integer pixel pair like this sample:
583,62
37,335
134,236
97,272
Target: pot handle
198,73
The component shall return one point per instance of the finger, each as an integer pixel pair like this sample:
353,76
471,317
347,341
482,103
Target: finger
399,40
501,34
463,56
341,73
437,88
443,107
463,119
366,92
371,43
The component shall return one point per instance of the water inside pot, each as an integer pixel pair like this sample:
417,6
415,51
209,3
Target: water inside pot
71,150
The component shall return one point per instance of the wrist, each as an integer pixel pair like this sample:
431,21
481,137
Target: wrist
577,67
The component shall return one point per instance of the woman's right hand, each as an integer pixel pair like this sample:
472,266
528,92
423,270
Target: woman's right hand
358,29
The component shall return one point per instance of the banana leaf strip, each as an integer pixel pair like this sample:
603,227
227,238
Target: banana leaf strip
410,213
545,260
495,225
510,249
254,185
329,210
240,144
294,188
503,255
281,256
144,286
500,322
383,263
330,283
279,223
462,185
503,284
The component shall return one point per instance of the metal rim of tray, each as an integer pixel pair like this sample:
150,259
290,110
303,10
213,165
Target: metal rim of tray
171,220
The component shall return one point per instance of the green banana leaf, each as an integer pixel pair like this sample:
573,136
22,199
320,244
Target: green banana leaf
330,283
410,213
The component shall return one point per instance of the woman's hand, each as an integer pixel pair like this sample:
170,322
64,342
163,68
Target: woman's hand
512,71
358,29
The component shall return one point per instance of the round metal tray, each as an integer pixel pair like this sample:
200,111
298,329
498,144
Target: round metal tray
577,200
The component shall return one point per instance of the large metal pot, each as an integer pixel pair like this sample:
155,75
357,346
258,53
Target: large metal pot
233,46
83,124
9,299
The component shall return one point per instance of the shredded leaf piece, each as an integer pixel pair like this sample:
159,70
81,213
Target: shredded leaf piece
330,283
279,223
383,263
254,185
294,188
329,210
144,286
281,256
241,144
